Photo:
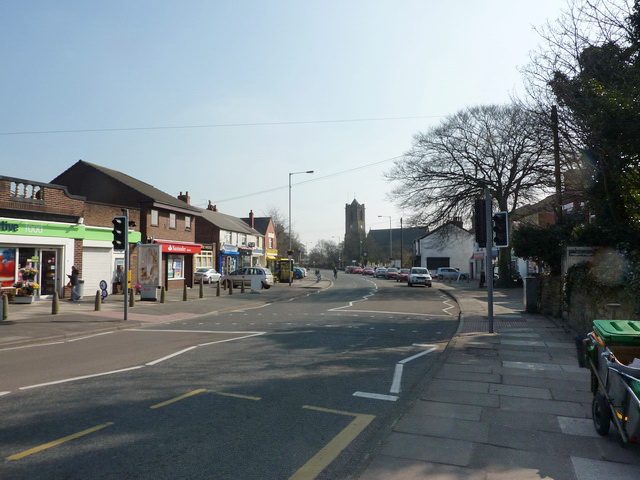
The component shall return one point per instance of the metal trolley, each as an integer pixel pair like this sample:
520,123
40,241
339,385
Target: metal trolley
613,356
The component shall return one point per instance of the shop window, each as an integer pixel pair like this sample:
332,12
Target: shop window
172,220
154,218
175,266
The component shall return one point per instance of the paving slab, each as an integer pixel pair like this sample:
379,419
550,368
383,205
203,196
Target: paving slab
590,469
391,468
577,426
459,386
447,410
457,429
448,374
469,398
466,368
428,449
567,409
525,420
509,464
518,391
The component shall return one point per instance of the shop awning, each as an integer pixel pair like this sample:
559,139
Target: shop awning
179,247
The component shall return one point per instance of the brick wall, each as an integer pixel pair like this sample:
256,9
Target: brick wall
17,194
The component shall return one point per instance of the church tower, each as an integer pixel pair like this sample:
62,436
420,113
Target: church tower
355,233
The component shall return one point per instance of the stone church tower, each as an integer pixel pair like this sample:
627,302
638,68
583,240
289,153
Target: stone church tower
355,233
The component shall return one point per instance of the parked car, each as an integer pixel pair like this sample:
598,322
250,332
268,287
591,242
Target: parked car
451,273
403,275
298,273
206,275
368,271
419,276
380,272
245,274
392,273
357,270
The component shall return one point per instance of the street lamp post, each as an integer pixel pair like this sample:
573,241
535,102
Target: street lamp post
390,238
290,266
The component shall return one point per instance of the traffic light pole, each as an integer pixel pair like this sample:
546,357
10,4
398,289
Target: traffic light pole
489,257
125,288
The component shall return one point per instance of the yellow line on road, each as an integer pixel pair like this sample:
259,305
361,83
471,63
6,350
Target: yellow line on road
246,397
331,450
177,399
31,451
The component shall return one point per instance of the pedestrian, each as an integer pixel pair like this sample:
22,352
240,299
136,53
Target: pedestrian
335,273
74,280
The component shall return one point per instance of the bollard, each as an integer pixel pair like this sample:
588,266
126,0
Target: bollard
224,285
242,287
201,289
132,297
55,304
5,307
230,288
218,289
162,295
184,294
98,301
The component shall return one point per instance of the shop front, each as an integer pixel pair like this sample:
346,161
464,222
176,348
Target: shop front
178,262
35,257
228,260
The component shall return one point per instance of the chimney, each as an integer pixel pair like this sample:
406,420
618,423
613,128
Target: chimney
185,198
213,208
251,220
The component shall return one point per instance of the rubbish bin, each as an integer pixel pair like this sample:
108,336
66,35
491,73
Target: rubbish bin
531,294
80,288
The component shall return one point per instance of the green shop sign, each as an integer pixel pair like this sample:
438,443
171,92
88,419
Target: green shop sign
60,230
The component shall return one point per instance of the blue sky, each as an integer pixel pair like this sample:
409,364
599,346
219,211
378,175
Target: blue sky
224,99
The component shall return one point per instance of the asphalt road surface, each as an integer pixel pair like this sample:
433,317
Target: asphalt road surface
299,389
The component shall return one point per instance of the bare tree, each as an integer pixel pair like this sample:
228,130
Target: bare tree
503,148
282,234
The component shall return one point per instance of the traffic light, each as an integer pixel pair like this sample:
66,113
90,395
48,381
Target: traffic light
480,222
119,233
501,229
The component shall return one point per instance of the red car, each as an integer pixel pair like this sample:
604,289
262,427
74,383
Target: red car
357,270
391,273
403,275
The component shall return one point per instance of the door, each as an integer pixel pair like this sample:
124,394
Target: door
49,274
97,264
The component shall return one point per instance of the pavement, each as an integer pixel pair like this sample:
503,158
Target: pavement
35,323
509,405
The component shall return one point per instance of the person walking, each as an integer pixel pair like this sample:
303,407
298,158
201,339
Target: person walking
335,273
74,280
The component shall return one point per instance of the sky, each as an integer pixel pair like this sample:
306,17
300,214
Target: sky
224,99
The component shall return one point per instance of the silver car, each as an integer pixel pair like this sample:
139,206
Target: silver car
206,275
419,276
245,274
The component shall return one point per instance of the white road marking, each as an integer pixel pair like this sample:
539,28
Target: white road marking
4,393
30,346
66,380
175,354
376,396
397,375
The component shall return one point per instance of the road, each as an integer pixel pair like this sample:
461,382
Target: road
298,389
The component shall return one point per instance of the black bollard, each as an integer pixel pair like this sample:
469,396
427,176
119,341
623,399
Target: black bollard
98,301
201,289
163,298
218,289
5,307
184,294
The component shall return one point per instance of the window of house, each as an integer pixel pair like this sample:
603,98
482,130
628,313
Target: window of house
270,242
244,239
154,218
228,238
172,220
187,222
